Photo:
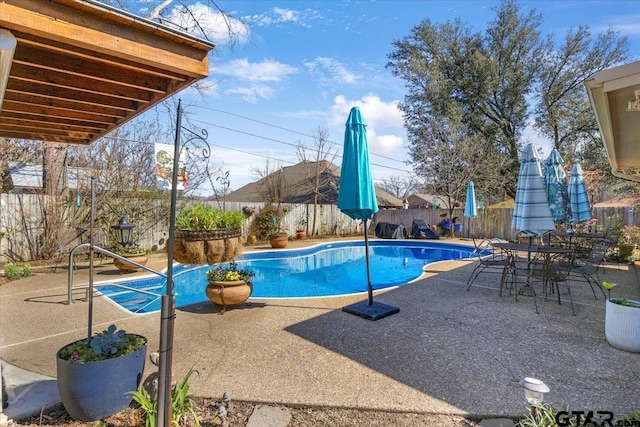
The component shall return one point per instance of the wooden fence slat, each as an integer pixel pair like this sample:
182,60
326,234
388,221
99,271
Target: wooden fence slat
21,222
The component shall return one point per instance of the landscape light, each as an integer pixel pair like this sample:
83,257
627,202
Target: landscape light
534,390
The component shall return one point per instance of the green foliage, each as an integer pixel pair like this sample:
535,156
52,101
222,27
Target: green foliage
11,271
220,274
14,272
623,301
107,344
267,221
26,270
542,416
202,217
182,403
496,80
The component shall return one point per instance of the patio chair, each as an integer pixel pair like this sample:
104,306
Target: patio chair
496,262
550,269
587,268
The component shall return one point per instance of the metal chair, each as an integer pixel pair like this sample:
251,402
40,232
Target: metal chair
489,261
587,268
550,269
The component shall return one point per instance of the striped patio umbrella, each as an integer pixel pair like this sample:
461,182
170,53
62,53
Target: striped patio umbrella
470,206
531,213
555,183
578,197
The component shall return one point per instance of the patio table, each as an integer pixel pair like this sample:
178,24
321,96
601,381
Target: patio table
547,252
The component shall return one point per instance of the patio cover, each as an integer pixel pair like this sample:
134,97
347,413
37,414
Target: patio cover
81,68
611,93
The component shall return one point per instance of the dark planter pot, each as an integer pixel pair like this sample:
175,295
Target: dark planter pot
94,390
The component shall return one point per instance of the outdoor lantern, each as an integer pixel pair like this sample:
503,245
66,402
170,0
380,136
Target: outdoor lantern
123,231
534,390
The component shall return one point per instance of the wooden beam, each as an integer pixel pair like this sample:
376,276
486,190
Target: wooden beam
61,23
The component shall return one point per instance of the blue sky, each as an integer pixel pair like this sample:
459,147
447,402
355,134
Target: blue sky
302,65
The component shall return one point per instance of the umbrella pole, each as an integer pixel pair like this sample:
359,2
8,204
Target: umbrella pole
366,257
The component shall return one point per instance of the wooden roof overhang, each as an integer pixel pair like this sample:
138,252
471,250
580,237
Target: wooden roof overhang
81,68
616,104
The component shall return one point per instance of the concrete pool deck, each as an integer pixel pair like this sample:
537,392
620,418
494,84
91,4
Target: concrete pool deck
449,350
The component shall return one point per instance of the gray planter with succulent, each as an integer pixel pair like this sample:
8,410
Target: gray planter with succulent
96,376
622,322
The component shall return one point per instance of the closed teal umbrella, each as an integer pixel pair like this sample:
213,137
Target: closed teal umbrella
578,197
470,206
357,199
555,183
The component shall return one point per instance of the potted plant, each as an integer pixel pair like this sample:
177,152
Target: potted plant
622,322
267,223
135,254
229,285
207,235
301,232
96,374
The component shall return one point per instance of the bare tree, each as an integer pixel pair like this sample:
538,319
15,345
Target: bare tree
318,163
399,186
271,181
450,155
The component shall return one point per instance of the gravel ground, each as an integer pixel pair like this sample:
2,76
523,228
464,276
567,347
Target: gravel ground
239,413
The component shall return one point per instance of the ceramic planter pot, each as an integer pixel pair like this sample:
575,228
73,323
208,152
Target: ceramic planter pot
278,241
127,266
91,391
301,234
226,293
622,326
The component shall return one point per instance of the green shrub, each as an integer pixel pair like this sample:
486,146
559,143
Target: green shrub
182,403
11,271
26,270
267,221
202,217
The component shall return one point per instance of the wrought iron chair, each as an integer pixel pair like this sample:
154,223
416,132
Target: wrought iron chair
587,268
550,269
489,261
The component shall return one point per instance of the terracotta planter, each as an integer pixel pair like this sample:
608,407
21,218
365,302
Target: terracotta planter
127,266
301,234
252,239
226,293
278,241
622,326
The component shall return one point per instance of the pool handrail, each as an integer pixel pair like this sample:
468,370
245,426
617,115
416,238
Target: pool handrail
103,251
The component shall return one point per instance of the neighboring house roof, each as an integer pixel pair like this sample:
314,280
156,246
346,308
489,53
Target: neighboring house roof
422,199
505,204
297,183
621,202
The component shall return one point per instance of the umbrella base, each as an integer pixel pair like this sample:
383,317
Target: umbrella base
375,311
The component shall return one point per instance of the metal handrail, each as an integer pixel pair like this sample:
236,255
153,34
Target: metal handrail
106,252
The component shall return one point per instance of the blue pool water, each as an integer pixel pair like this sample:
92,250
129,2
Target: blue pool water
331,269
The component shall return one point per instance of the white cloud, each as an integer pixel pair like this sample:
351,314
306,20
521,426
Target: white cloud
329,70
252,93
379,116
200,19
278,15
265,71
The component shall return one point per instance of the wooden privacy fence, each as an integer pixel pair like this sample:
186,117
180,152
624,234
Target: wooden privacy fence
22,223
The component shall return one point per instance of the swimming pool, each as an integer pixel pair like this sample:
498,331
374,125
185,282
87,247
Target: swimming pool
330,269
